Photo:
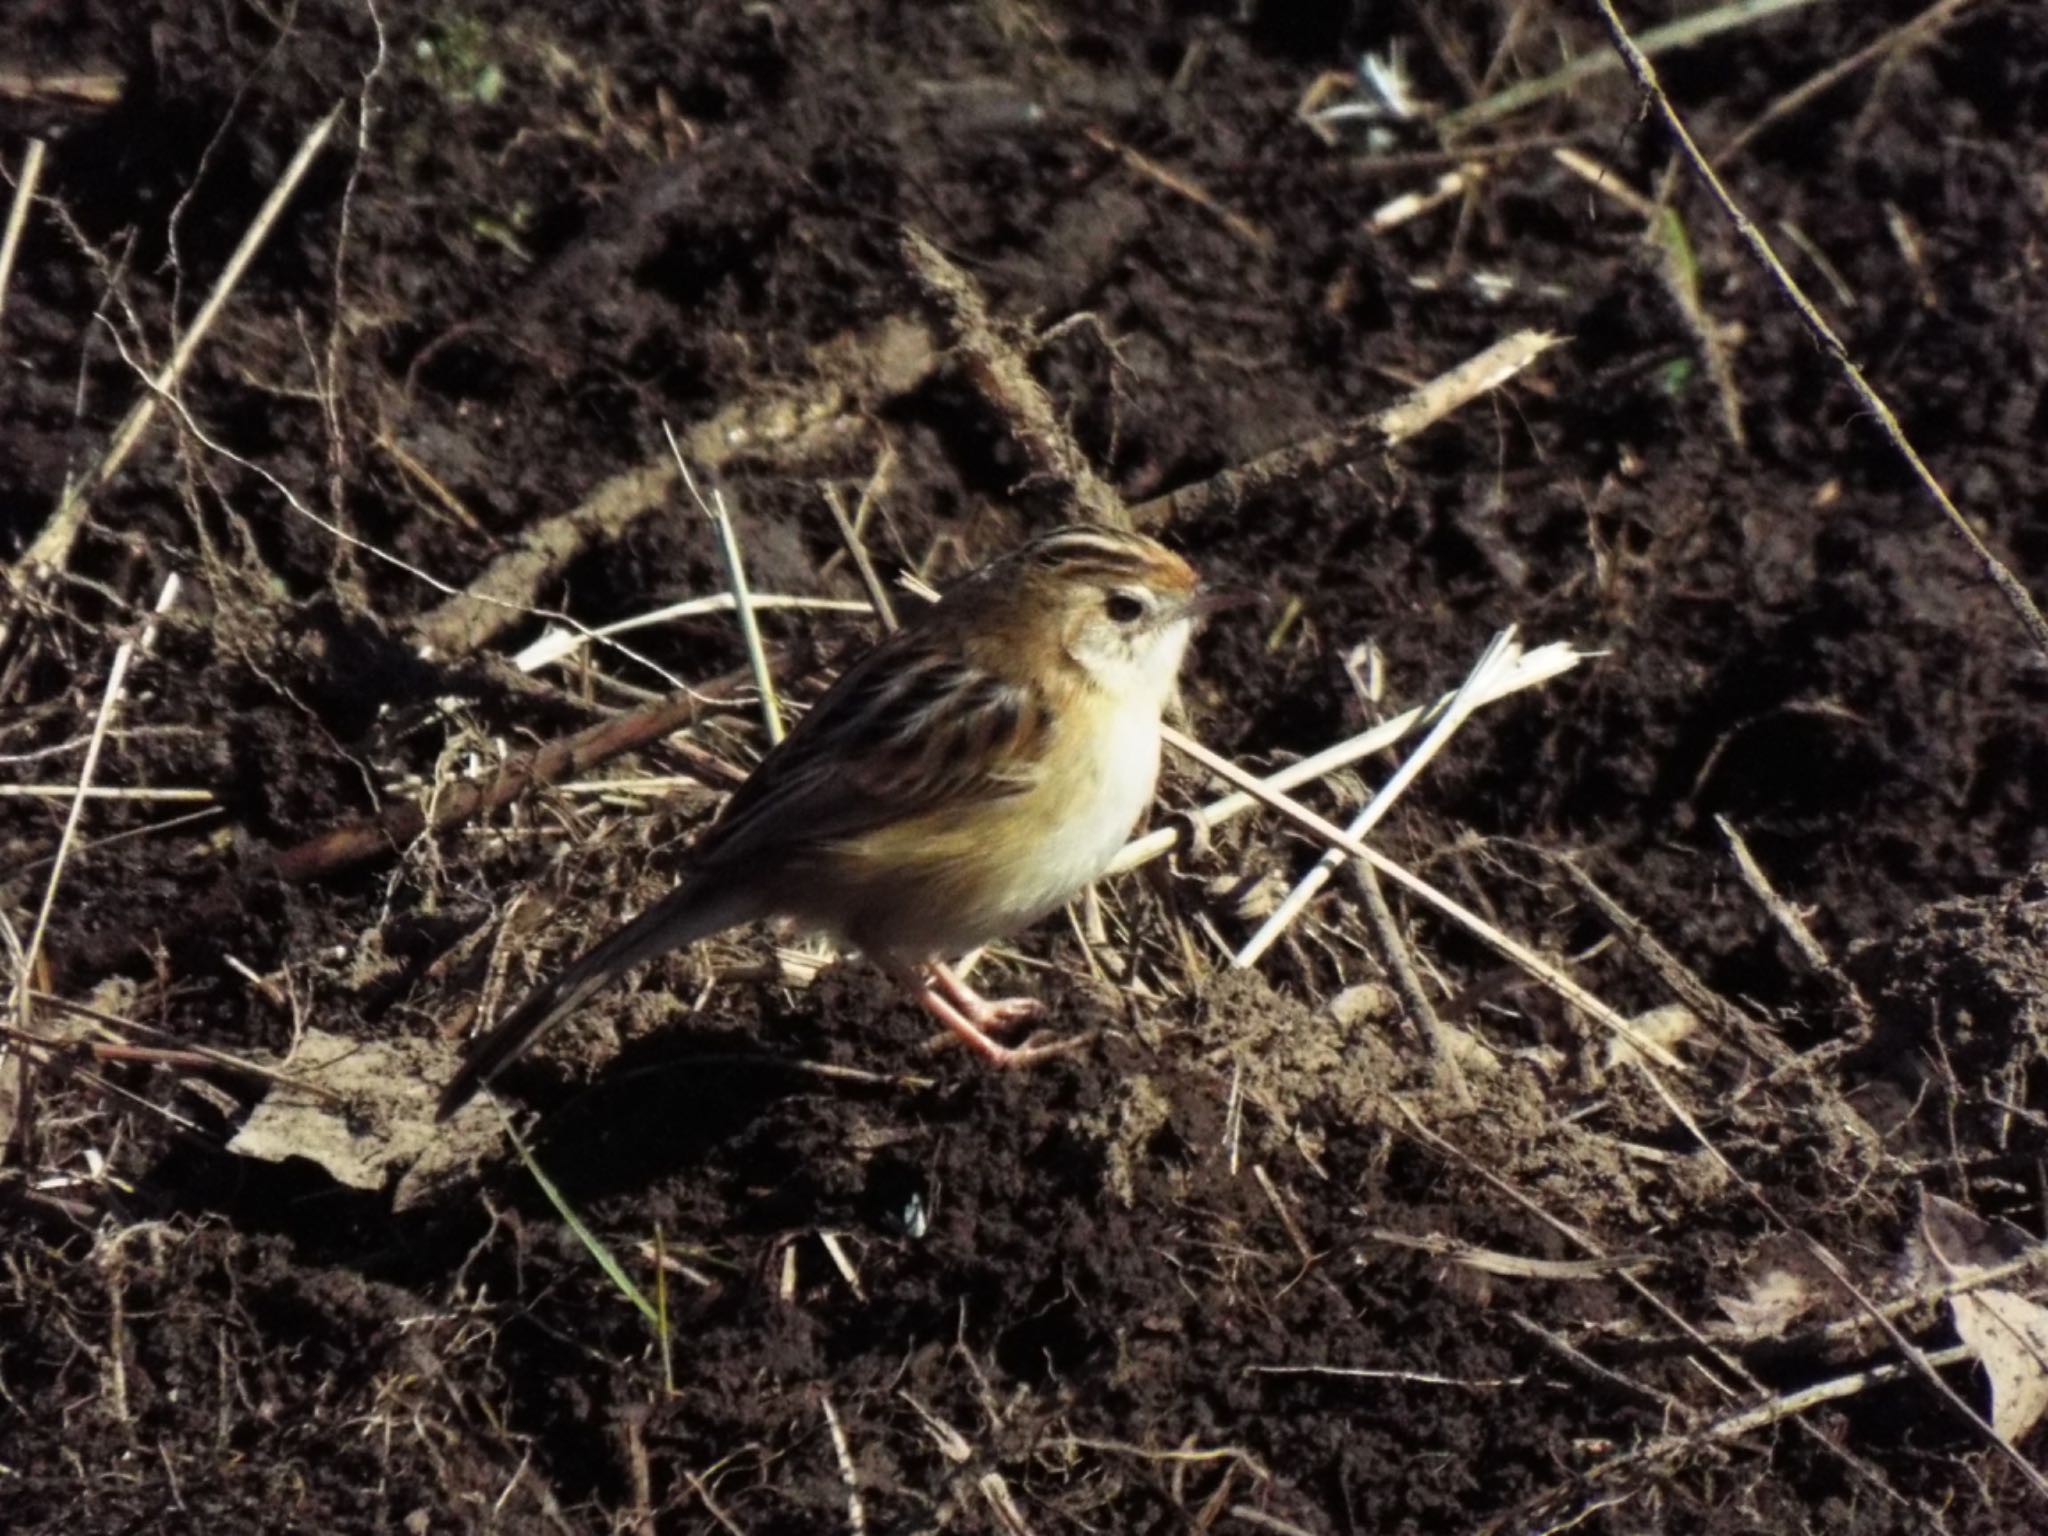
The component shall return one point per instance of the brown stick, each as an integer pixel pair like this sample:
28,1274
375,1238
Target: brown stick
999,373
1369,434
385,836
851,376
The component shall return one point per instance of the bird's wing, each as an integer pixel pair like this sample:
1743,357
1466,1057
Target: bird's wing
912,727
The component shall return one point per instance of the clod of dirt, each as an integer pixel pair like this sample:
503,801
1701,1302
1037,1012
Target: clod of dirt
1961,999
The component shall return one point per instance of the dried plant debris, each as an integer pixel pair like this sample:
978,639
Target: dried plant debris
2006,1331
1654,1142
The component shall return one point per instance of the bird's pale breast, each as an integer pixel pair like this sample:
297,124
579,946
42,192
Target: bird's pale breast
959,876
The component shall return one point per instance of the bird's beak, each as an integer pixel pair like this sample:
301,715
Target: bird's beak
1213,600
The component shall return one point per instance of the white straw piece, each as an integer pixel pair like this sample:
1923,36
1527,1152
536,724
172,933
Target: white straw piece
1531,670
557,644
1505,944
1500,657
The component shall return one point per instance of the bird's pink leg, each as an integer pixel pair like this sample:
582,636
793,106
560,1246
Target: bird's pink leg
932,995
991,1015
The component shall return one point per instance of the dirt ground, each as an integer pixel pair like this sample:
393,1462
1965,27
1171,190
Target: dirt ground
1255,1260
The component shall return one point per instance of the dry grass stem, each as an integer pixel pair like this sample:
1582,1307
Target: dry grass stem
1501,658
1793,926
711,1508
52,547
1683,983
105,792
1818,1251
1535,668
1530,962
1606,181
86,87
1407,980
1363,1373
1302,1250
2010,587
556,644
1258,1519
468,601
1180,186
117,678
1513,1265
843,1262
204,1055
1783,913
997,1492
856,1511
1791,1405
736,574
1448,187
1487,370
1920,29
17,214
1682,33
857,551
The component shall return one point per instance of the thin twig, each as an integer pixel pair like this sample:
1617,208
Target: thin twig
856,1512
1529,961
1925,25
997,1492
117,677
1368,435
17,214
559,644
334,530
1781,910
1407,981
1682,33
1792,1405
1685,985
2009,585
206,1054
857,551
1536,667
1787,917
1288,1224
1180,186
52,547
388,833
1366,1373
736,576
1501,656
1245,1514
105,792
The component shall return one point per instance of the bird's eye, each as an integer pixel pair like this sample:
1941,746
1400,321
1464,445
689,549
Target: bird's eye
1123,608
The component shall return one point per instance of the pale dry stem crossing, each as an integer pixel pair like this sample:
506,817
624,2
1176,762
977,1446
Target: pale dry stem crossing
52,547
2009,586
17,214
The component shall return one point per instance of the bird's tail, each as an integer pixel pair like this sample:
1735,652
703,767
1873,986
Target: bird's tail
690,912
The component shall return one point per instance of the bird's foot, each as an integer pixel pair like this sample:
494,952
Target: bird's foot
990,1015
975,1019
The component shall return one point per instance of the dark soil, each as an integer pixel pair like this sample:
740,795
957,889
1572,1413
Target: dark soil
1207,1274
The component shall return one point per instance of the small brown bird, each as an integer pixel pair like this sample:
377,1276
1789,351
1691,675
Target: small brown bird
965,778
